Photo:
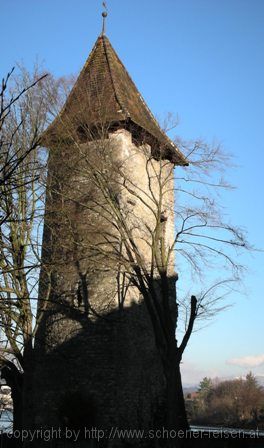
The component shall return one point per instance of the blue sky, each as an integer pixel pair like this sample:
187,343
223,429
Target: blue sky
202,60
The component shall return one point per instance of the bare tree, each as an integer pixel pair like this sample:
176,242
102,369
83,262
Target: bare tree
9,158
23,116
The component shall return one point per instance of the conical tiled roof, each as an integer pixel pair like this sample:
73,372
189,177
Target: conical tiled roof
105,93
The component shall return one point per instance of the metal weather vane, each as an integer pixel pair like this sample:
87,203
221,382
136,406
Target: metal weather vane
104,15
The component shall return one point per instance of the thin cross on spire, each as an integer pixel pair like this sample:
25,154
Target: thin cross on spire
104,15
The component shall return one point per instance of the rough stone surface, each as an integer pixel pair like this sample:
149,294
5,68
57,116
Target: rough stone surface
97,364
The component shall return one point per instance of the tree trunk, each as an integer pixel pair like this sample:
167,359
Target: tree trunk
176,412
181,410
28,396
17,408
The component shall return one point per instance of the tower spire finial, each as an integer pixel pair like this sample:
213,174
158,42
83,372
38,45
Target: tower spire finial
104,15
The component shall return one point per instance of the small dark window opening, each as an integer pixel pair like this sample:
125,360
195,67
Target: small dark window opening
82,294
163,217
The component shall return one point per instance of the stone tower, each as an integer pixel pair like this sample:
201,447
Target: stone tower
97,362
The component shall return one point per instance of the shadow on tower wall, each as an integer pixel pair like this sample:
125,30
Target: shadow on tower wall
100,372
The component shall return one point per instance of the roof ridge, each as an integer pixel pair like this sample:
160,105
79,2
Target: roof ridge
106,43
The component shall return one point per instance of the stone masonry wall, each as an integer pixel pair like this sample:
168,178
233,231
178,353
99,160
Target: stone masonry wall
90,351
